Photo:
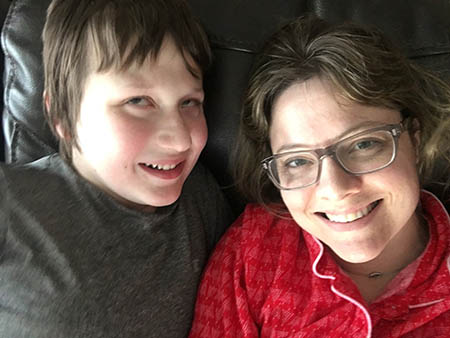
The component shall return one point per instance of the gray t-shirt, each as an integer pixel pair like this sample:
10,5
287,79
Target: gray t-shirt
75,263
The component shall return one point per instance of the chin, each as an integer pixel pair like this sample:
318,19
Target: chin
359,257
163,203
168,198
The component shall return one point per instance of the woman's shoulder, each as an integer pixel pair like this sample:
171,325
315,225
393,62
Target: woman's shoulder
260,231
266,219
257,247
434,207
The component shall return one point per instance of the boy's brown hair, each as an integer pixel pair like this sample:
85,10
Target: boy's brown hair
85,36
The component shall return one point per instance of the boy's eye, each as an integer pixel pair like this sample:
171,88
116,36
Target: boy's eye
191,103
192,107
139,101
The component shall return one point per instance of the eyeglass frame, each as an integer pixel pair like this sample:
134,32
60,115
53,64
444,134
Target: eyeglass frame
395,130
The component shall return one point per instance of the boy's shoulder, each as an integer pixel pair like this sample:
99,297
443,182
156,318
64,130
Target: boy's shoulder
36,178
14,175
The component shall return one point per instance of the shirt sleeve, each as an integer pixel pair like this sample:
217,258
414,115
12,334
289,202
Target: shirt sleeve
222,308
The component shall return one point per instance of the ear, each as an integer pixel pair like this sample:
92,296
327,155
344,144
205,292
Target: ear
57,125
60,130
46,100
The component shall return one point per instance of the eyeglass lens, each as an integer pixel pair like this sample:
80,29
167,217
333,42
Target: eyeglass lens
357,155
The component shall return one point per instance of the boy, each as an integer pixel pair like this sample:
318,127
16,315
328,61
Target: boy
108,238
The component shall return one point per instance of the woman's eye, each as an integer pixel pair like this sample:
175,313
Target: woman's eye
366,144
298,162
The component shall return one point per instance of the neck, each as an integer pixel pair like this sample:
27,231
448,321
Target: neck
403,249
373,276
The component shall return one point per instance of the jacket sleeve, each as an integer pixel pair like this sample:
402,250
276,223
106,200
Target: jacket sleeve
223,308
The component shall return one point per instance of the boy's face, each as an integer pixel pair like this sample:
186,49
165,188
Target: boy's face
141,131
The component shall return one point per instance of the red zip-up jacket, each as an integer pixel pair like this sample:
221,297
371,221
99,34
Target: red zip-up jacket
268,278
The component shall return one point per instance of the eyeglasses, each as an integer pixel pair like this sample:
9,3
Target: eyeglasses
362,153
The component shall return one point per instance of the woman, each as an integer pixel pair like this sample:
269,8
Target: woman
339,133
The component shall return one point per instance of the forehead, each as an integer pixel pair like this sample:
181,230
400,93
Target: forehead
102,59
170,64
311,113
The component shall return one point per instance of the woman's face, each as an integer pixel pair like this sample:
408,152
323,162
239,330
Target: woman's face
379,205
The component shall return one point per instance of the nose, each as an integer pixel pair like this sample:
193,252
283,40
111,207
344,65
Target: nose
174,133
335,183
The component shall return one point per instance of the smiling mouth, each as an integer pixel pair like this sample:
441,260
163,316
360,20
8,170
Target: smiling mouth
346,218
160,167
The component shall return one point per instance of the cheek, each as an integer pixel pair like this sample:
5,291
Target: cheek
297,202
199,132
402,176
128,134
130,139
115,141
401,181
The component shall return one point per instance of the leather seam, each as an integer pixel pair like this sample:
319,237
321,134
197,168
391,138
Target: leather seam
12,69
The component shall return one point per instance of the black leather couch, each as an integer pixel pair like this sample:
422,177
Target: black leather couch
236,29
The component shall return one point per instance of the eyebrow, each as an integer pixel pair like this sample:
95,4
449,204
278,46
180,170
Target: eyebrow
131,79
143,87
353,130
137,84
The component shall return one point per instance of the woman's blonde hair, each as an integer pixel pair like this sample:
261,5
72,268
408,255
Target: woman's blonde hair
363,67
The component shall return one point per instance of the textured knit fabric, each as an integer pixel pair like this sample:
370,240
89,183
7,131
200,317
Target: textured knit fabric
268,278
75,263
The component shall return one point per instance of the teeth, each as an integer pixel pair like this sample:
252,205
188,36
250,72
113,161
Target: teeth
162,167
353,216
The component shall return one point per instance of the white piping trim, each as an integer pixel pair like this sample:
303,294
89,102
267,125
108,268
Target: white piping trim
426,304
448,263
316,261
363,309
340,294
